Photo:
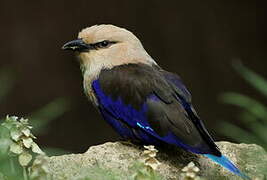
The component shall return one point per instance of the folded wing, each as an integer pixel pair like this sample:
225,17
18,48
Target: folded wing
154,105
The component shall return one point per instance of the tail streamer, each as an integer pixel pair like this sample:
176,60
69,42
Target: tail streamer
226,163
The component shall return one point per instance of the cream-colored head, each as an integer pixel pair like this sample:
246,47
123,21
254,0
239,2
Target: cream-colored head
106,46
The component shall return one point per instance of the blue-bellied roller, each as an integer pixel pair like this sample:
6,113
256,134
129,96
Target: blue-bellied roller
139,99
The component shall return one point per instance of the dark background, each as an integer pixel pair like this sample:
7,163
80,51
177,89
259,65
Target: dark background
196,39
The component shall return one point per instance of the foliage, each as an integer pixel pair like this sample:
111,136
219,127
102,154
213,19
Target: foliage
51,111
145,169
190,172
6,81
253,112
141,171
17,147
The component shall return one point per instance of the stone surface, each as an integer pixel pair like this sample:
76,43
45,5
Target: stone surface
120,156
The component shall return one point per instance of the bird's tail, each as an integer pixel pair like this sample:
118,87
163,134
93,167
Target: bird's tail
226,163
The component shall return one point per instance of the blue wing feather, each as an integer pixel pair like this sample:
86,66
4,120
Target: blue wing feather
121,128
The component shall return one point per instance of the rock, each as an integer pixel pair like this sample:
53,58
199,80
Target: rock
113,160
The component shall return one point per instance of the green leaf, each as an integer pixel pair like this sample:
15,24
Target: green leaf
249,104
27,142
6,81
36,149
259,130
247,117
4,145
26,132
54,151
4,132
25,158
251,77
10,122
238,134
49,112
15,134
15,148
2,177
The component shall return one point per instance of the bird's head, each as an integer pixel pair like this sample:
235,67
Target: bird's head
106,46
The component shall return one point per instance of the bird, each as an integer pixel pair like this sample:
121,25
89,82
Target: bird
139,99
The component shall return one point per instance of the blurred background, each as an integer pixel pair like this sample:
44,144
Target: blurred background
196,39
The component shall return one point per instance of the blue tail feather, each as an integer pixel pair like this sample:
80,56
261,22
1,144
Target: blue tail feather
226,163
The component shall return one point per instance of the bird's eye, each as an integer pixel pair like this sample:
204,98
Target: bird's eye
103,44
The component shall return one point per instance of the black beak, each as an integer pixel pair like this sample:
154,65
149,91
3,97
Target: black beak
76,45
